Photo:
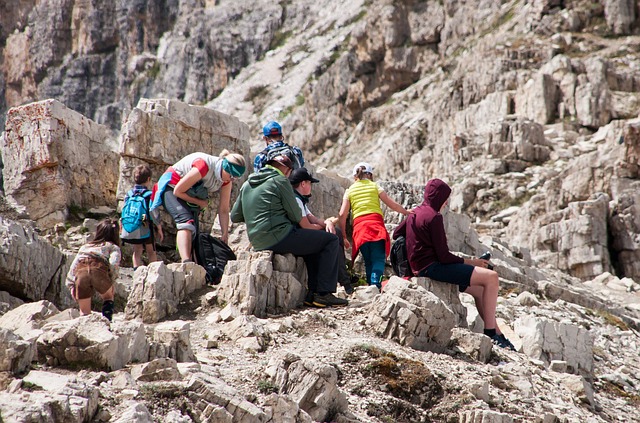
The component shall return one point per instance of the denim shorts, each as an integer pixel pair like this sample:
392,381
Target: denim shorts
454,273
180,211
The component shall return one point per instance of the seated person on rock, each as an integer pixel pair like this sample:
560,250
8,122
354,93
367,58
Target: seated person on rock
95,268
429,256
268,206
301,180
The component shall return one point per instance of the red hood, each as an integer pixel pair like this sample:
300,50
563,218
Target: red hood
436,193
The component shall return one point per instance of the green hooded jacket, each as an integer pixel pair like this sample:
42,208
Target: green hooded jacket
268,206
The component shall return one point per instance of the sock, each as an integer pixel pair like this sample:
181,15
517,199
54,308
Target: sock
107,309
490,332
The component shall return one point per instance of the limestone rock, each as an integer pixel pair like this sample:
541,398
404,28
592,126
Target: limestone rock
86,340
136,412
158,289
8,302
449,294
484,416
547,340
312,385
174,335
213,393
30,267
247,328
412,316
16,354
56,398
475,345
53,153
27,320
620,15
259,285
156,370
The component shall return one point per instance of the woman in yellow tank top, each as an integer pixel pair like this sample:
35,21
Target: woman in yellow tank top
370,236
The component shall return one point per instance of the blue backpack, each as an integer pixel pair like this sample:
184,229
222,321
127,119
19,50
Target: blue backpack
135,211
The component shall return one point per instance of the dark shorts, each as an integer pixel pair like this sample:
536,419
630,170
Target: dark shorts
454,273
92,274
145,241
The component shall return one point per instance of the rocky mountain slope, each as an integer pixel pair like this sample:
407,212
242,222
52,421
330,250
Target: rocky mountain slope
529,109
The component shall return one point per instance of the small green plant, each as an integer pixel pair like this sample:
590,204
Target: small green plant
256,92
154,71
28,386
265,386
279,38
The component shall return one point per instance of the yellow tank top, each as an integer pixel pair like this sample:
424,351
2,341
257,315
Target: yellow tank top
364,198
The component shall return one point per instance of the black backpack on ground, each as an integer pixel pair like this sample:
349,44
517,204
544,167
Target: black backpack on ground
399,258
212,254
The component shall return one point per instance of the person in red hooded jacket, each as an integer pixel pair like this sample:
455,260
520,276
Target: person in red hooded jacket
429,256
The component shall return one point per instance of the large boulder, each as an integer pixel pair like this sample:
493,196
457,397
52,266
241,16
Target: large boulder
54,159
263,282
50,397
158,289
412,316
312,385
547,340
27,320
88,341
30,267
16,354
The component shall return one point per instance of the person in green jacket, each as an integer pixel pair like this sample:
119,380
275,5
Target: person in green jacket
267,204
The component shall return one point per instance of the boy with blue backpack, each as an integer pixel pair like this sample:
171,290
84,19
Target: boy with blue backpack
138,227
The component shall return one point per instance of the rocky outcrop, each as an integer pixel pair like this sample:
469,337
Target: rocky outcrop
88,341
262,282
312,385
30,267
158,289
412,316
55,159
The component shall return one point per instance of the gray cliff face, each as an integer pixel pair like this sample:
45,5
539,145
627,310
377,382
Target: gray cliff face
529,109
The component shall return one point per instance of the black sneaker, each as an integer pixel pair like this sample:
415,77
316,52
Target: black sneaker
501,341
328,300
308,300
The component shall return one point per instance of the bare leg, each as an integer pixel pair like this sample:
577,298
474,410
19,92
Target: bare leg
183,239
151,253
84,306
108,295
484,289
137,255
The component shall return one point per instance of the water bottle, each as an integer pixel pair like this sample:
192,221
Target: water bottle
487,256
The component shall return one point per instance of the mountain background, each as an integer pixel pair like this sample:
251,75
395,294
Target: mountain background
506,100
528,109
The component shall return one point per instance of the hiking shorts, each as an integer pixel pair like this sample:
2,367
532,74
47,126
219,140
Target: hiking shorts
92,274
144,241
454,273
179,210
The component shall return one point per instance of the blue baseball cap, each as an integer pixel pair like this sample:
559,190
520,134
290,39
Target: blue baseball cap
272,128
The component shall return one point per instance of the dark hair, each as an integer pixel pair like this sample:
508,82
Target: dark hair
141,174
108,230
361,174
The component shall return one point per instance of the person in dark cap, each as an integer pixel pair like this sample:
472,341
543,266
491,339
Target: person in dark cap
302,180
275,146
429,256
267,204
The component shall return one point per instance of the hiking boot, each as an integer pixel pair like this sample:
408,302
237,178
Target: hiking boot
328,300
107,309
308,300
501,341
